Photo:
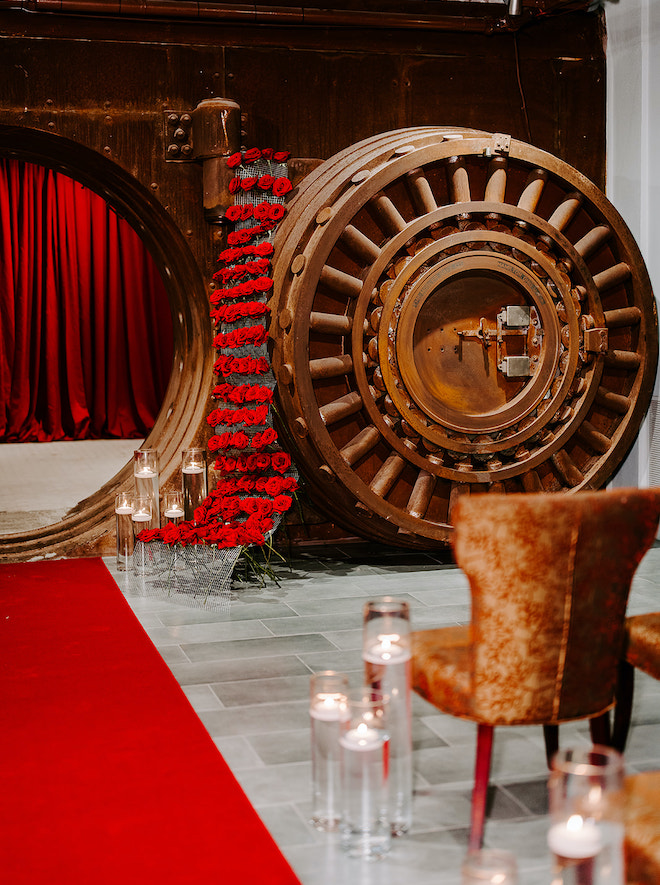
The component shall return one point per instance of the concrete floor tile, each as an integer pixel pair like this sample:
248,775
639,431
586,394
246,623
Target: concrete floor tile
262,691
286,746
258,719
251,648
209,672
237,752
202,698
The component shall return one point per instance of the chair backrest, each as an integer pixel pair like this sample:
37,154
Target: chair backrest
550,576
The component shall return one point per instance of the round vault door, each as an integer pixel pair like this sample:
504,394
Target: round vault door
457,313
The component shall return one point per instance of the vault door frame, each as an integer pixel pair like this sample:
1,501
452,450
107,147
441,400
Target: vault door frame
88,529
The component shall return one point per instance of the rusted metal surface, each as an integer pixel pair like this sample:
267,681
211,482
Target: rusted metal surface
465,314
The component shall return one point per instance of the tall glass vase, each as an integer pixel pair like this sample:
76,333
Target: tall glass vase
194,480
143,554
124,528
326,704
388,669
145,474
585,838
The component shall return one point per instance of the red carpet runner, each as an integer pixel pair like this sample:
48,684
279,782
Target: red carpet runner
106,773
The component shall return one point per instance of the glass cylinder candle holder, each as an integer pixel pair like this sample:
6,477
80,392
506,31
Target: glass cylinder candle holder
489,866
364,751
124,526
194,480
145,474
327,700
388,669
142,517
586,832
172,508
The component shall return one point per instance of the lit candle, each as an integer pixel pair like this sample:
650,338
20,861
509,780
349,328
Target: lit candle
327,707
386,650
174,513
145,472
576,838
362,738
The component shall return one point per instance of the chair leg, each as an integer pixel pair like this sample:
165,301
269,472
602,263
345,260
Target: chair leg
599,728
624,704
480,790
551,737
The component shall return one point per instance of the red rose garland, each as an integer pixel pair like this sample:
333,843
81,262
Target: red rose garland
257,477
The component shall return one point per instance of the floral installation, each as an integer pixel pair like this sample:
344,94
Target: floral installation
257,480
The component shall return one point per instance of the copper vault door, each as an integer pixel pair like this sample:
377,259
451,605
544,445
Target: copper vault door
457,312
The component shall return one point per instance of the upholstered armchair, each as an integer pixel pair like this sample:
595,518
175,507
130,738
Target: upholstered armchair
549,578
641,651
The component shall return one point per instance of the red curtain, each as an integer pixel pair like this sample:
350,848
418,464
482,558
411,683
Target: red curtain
85,325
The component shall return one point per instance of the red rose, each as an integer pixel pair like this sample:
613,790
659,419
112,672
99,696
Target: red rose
281,156
280,461
228,538
265,506
250,505
265,438
267,153
264,249
147,535
236,237
248,183
265,182
246,211
263,524
256,393
261,211
281,186
235,160
251,155
273,485
258,462
232,214
250,535
262,284
282,503
240,440
234,185
171,533
277,212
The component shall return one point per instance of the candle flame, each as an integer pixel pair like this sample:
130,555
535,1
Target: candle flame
387,640
575,822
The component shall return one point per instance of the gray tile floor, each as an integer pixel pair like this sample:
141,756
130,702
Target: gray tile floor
246,673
